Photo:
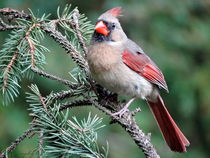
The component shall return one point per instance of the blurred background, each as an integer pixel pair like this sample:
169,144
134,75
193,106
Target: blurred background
175,34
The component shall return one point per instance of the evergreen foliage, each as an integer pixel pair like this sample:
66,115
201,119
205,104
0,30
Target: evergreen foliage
23,52
23,49
63,137
17,56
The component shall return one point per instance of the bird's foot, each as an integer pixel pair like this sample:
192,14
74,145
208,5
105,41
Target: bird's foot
124,109
121,112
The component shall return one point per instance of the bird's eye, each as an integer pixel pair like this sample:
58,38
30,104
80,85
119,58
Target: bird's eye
113,25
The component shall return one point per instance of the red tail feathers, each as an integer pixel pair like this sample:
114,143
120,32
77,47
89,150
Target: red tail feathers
171,133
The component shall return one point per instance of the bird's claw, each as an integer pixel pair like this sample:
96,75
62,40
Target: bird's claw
120,113
124,109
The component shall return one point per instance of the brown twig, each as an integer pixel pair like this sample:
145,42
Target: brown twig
40,142
63,95
4,26
31,46
41,99
129,124
53,77
78,32
8,68
74,125
12,13
42,102
75,103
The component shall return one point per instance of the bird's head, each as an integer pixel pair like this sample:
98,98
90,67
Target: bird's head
108,27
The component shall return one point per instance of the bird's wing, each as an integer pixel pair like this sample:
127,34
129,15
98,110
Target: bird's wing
144,66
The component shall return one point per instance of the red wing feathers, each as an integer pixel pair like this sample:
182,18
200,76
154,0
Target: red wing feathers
145,67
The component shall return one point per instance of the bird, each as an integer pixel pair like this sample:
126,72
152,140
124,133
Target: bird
121,66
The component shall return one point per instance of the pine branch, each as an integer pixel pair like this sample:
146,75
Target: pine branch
40,141
75,103
14,14
42,102
129,124
8,68
31,46
63,136
78,32
53,77
4,26
63,95
19,52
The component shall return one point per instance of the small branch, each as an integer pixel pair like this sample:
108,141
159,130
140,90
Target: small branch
78,32
79,143
14,14
8,69
9,66
63,95
31,46
40,142
74,24
4,26
74,125
17,141
63,81
74,104
42,102
130,126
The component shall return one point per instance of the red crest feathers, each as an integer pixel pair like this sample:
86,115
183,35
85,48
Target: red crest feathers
115,11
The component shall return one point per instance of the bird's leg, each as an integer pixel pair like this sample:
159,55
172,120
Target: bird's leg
123,110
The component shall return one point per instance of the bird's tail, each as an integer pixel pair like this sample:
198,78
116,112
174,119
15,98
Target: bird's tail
171,133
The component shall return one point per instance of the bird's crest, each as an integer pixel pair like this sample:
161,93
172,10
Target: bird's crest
115,11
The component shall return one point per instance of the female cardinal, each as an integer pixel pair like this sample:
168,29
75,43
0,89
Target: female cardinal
120,65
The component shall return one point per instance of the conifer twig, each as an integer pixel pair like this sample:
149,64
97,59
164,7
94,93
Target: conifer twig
53,77
40,142
78,32
31,46
74,125
129,124
4,26
42,102
75,104
8,69
63,95
14,14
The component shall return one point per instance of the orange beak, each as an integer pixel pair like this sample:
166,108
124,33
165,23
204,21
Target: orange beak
101,28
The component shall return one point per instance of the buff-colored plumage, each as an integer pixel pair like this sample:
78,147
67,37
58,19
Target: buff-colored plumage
108,69
121,66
